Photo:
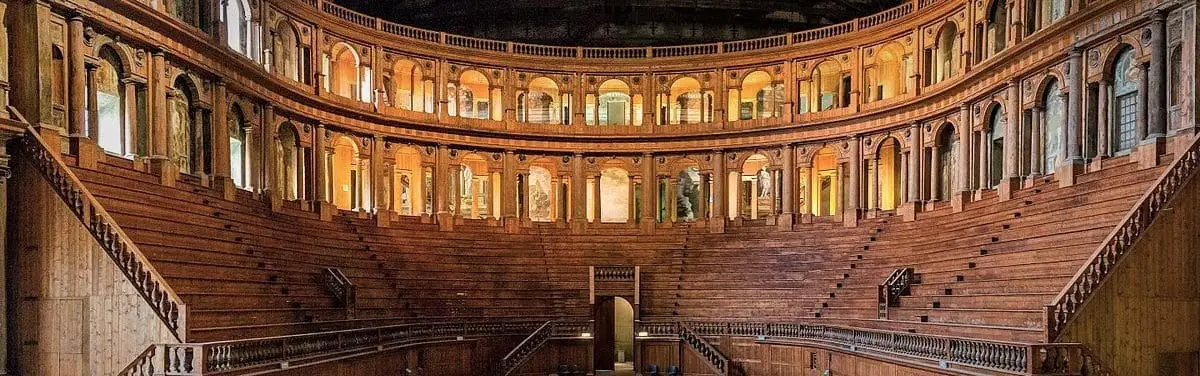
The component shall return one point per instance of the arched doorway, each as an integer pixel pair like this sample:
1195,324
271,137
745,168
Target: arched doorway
613,343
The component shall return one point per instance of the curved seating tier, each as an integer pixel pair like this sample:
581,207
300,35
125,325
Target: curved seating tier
985,272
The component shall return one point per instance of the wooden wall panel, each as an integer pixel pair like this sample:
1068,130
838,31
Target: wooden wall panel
567,352
1145,319
75,312
662,353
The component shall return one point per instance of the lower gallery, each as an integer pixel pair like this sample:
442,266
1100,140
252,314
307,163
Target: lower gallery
303,187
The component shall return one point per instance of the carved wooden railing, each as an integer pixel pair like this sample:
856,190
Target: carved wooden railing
1067,359
342,289
142,365
712,356
905,8
188,359
615,273
1095,271
898,284
128,258
526,348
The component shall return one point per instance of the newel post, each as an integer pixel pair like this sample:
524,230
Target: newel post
1049,312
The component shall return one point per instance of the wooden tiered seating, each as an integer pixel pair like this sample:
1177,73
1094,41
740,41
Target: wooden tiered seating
986,272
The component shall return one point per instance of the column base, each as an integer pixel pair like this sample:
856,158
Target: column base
167,173
512,225
578,225
325,210
87,152
647,225
717,225
1182,140
227,189
383,218
908,211
445,221
1007,187
52,135
274,201
806,218
958,200
1068,172
1148,150
850,218
784,221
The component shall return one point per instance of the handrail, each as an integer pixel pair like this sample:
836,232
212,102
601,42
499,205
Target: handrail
190,359
761,43
999,356
711,355
1066,359
128,258
615,273
1113,249
898,284
340,286
526,348
142,365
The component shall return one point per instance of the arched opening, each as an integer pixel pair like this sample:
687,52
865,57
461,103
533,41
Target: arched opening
542,195
943,58
346,178
686,200
113,134
826,87
613,341
1053,116
343,71
759,98
473,95
187,131
1178,80
239,168
826,183
408,193
541,104
237,25
614,104
1042,13
474,187
995,30
889,75
290,161
885,194
995,143
757,188
945,152
1124,103
413,91
687,103
286,51
614,195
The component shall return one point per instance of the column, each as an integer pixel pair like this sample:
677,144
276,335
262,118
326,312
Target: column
649,189
1102,117
6,134
596,196
1157,80
76,99
441,189
129,108
1074,105
320,186
720,197
1036,141
789,182
916,151
93,110
876,197
852,204
935,174
962,167
578,190
220,131
508,186
1012,132
378,188
984,151
270,178
158,106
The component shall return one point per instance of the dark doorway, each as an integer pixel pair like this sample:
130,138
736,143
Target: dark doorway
605,336
613,342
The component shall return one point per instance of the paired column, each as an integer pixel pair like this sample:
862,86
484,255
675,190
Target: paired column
915,153
220,131
158,97
77,94
649,190
789,182
720,197
320,180
850,213
1157,80
962,168
1074,153
1036,141
578,190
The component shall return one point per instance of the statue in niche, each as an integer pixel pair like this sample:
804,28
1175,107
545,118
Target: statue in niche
405,194
764,183
687,197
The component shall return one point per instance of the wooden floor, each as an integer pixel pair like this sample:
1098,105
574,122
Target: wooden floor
245,271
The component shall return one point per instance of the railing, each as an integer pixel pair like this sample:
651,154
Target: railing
190,359
898,284
1004,357
1066,359
142,365
1114,248
526,348
128,258
709,353
342,289
763,43
615,273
